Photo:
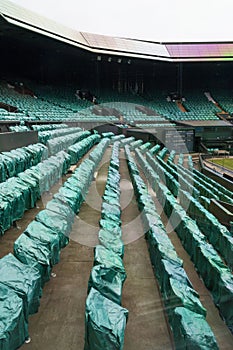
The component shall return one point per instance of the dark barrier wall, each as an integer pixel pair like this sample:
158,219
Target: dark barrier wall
142,135
109,128
223,212
12,140
224,182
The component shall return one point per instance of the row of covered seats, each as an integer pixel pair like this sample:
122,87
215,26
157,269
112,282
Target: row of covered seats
135,144
19,128
145,146
145,118
162,153
179,178
219,190
127,141
105,317
196,104
155,149
171,156
190,162
64,142
170,176
181,159
58,216
205,188
50,126
37,127
156,125
224,98
183,180
17,300
108,134
181,301
74,189
214,183
77,150
48,106
36,251
117,138
44,136
20,159
63,96
215,274
6,115
20,193
217,234
27,104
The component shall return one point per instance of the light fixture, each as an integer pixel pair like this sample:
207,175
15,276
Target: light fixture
129,62
119,60
98,58
110,59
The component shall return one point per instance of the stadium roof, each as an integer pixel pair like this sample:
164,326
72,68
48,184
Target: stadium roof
107,45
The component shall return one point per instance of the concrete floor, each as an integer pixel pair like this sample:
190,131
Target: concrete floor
59,324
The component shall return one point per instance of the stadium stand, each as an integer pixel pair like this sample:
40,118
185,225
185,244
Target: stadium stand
108,236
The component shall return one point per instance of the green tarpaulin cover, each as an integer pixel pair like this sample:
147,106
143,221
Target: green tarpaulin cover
107,281
73,198
177,293
15,197
110,225
105,323
35,254
112,241
32,183
56,223
6,215
62,208
13,324
23,279
109,259
29,198
191,331
51,239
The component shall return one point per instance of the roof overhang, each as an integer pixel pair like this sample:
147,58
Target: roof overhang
116,46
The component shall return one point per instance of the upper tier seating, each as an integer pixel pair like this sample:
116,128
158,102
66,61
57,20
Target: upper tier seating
61,103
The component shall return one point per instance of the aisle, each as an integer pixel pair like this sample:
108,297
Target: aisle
59,324
147,327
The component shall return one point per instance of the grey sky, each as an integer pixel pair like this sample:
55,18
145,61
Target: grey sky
165,20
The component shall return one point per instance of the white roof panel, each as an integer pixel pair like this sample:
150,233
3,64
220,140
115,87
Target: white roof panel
22,16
